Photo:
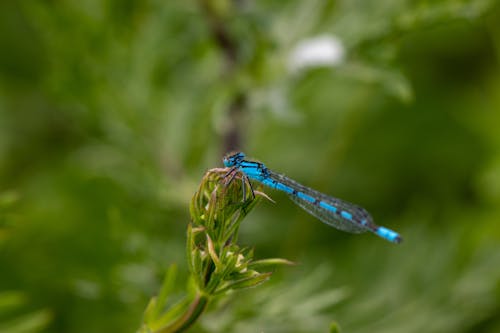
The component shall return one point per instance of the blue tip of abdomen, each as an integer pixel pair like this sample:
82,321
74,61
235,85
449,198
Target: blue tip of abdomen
388,234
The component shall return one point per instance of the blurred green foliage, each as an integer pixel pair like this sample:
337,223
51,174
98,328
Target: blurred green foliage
110,112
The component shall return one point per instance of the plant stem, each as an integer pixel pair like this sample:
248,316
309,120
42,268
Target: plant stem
189,317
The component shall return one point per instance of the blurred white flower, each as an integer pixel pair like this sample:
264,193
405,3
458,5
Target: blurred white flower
326,50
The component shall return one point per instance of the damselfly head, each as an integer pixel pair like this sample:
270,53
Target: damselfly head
233,159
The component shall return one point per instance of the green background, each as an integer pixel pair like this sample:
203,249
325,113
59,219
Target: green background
111,111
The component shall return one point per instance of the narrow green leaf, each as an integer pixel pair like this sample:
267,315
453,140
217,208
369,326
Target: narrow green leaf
166,288
212,253
151,311
246,282
173,312
198,267
190,246
257,264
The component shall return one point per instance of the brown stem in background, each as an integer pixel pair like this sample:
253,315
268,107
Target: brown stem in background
232,136
229,47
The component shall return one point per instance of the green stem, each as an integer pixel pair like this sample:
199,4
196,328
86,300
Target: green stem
189,317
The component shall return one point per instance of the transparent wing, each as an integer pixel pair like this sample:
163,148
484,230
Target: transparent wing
334,219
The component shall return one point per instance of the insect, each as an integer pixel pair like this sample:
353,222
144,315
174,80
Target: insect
331,211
